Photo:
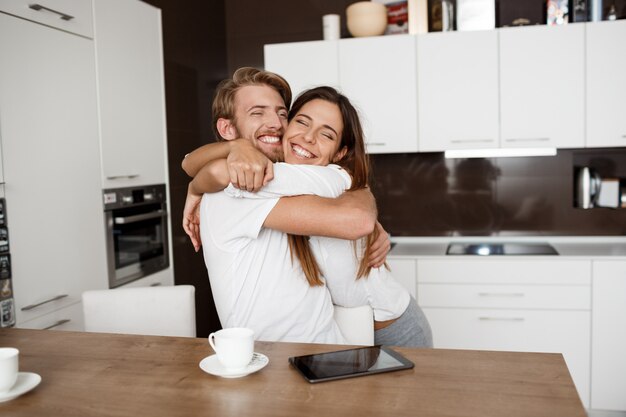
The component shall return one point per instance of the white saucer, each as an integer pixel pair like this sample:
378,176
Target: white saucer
211,365
25,382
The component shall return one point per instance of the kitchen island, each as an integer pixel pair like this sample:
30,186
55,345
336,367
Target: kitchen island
91,374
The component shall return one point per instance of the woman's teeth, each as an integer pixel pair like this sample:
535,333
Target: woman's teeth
301,152
269,139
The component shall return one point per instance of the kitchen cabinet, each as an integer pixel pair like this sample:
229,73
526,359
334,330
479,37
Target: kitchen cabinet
378,75
49,131
404,271
68,318
131,93
608,362
519,305
304,64
162,278
74,16
457,89
606,84
542,86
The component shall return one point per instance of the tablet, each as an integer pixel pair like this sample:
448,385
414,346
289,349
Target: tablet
349,363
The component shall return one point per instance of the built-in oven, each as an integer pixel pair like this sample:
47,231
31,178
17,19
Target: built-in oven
136,223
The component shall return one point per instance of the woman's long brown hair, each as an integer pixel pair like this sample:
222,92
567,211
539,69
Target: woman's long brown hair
355,161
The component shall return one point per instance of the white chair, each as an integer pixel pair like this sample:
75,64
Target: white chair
160,311
356,324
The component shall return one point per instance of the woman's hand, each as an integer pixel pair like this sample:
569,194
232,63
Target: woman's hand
380,248
191,217
249,169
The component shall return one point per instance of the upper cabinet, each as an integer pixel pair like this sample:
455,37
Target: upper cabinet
457,76
131,93
378,76
606,84
74,16
304,64
542,86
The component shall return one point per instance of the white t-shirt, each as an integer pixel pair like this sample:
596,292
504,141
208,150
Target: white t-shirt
338,259
253,281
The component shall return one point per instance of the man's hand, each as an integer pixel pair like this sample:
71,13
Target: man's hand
380,248
249,169
191,218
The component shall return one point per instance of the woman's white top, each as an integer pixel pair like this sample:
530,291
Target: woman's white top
338,259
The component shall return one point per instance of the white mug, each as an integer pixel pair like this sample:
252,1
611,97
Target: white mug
8,368
331,27
234,347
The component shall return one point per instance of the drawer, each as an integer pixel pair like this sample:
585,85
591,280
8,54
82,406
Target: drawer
68,318
566,332
404,271
29,308
504,271
162,278
75,16
561,297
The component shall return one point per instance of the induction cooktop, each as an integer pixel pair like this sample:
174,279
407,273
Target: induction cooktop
488,249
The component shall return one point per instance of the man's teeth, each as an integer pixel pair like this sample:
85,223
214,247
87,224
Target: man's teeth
302,152
269,139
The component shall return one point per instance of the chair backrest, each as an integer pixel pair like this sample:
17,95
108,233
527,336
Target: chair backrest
356,324
160,311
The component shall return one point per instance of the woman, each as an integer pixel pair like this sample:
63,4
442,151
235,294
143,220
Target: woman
325,155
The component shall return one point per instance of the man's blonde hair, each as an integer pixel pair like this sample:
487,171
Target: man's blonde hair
224,100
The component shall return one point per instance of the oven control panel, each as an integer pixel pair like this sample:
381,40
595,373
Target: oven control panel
133,196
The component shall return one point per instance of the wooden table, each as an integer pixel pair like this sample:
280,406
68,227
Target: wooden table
91,374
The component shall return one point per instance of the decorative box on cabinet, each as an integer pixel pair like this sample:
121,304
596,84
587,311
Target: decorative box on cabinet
606,84
131,93
519,305
304,64
49,131
542,86
458,90
608,360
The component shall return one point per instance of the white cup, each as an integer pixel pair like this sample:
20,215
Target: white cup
8,368
234,347
331,27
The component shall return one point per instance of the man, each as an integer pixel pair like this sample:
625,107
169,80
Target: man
253,280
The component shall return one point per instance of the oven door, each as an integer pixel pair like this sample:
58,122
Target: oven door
136,242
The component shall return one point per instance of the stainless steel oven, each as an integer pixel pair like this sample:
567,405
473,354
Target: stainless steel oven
136,229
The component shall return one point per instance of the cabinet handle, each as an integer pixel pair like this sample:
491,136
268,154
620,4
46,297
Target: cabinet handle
527,140
155,284
471,141
501,294
31,306
623,136
57,324
376,143
501,318
140,217
117,177
38,7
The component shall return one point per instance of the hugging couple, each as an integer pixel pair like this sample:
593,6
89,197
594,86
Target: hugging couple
283,212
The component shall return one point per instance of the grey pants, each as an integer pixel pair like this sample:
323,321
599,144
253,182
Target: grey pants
410,330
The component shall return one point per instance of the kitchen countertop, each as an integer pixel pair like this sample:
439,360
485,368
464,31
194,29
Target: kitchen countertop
601,247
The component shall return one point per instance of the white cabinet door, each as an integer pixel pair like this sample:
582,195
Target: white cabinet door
458,90
606,84
405,272
304,64
608,361
378,74
49,129
542,86
131,93
74,16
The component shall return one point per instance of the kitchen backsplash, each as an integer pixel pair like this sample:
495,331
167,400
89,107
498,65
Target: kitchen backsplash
427,195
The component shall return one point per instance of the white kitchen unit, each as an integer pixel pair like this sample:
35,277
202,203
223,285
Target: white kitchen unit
67,318
74,16
542,86
405,272
458,92
378,75
529,305
606,84
608,361
49,131
304,64
130,93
